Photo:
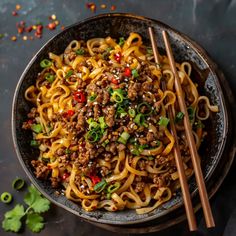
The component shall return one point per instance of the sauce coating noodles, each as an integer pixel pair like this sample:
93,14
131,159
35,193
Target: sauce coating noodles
100,122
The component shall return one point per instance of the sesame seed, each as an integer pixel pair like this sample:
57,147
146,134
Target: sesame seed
53,17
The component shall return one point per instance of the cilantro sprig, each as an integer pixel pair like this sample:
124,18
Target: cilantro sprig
36,203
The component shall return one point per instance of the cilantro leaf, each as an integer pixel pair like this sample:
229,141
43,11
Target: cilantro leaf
12,219
34,222
34,199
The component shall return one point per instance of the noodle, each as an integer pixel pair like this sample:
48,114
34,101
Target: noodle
99,121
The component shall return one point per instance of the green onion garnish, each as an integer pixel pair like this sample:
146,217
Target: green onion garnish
135,73
37,128
140,120
45,63
179,117
99,187
69,74
199,124
149,51
131,112
67,151
123,137
191,114
112,188
80,51
105,143
49,77
18,183
118,95
102,122
92,136
34,143
92,97
6,197
147,109
121,41
163,121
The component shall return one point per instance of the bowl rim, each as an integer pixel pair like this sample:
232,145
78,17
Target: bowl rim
199,50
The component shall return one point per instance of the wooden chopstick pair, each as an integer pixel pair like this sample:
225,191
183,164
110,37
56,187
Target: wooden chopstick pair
190,140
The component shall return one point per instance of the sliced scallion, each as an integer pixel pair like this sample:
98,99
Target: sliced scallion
164,121
147,109
45,63
37,128
18,183
135,73
99,187
124,137
6,197
179,117
80,51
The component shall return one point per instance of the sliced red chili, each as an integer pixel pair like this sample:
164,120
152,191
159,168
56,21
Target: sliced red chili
70,112
79,97
95,179
127,72
65,176
51,26
30,122
118,57
114,81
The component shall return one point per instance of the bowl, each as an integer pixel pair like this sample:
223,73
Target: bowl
120,25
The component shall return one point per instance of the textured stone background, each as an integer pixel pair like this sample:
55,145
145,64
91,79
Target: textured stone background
210,23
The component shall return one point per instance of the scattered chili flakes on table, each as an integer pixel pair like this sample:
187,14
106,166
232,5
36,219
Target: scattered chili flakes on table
103,6
113,8
18,7
13,38
14,13
91,6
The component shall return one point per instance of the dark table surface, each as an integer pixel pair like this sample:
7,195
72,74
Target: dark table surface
210,23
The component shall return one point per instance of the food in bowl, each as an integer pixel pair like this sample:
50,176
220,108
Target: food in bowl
100,122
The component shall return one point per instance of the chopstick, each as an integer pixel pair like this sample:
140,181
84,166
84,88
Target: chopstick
178,160
190,139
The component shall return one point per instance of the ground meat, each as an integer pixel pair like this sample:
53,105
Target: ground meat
111,148
141,165
133,90
106,97
159,181
97,111
81,119
26,125
33,113
150,137
142,141
147,86
74,156
120,147
139,187
104,171
60,152
41,170
109,118
55,182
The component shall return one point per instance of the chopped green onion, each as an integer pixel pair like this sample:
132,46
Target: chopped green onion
69,74
141,147
18,183
191,114
147,106
112,188
99,187
92,97
67,151
34,143
121,41
46,160
135,73
105,143
158,143
37,128
110,90
45,63
80,51
179,117
131,112
135,152
6,197
49,77
109,49
102,122
149,51
117,96
150,158
199,124
92,136
124,137
163,121
140,120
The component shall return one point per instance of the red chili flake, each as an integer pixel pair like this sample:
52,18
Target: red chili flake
29,29
127,72
65,176
118,57
91,6
114,81
20,30
30,122
39,28
95,179
62,27
113,8
79,97
14,13
70,112
13,38
37,35
115,86
51,26
22,23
